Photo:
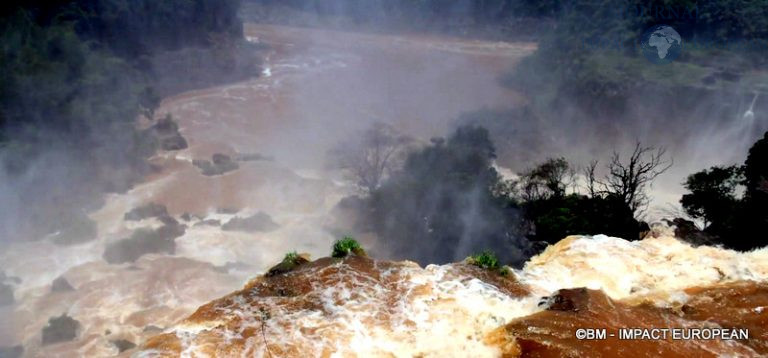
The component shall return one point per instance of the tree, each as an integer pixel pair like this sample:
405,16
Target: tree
372,155
712,196
553,214
756,168
736,222
441,206
549,179
630,180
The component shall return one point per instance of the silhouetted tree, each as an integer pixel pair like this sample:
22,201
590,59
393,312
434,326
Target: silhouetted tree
549,179
441,206
712,196
737,222
553,215
630,180
371,156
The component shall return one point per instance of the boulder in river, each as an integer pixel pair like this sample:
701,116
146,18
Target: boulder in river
259,222
219,164
60,329
146,211
123,345
167,135
144,241
61,284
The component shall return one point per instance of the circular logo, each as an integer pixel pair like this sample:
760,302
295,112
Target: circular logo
661,44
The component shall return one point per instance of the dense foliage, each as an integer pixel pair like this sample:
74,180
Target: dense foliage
74,75
441,206
733,201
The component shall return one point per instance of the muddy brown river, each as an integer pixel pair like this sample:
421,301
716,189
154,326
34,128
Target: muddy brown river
317,87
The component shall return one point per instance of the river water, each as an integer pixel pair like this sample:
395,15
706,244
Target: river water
317,87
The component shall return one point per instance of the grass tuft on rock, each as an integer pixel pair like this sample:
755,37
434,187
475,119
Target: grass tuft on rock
291,261
348,245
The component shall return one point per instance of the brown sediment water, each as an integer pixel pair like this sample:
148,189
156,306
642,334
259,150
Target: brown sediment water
360,307
318,87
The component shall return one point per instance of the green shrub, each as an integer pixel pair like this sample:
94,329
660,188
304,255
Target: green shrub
485,259
342,248
291,258
488,260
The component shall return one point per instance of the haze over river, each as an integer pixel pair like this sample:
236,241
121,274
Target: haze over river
317,87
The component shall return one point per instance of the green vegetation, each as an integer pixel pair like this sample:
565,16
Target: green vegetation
442,199
291,258
74,76
342,248
290,262
736,220
488,260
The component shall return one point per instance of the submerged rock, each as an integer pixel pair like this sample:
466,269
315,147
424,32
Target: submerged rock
123,345
208,222
687,231
166,134
259,222
252,157
150,210
218,165
60,329
144,241
61,284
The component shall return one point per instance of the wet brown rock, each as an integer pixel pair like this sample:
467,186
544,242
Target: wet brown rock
303,289
552,332
574,300
123,345
290,263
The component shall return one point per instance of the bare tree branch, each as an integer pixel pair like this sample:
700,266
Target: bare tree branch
371,155
630,180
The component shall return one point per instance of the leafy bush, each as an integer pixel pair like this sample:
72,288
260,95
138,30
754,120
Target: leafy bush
486,259
342,248
442,205
291,258
735,220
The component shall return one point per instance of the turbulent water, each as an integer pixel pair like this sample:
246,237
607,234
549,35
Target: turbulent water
367,308
317,88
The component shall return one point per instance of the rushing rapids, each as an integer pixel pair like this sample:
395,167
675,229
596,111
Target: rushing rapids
358,306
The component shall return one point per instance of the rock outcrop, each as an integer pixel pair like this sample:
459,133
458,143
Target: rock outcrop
357,306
